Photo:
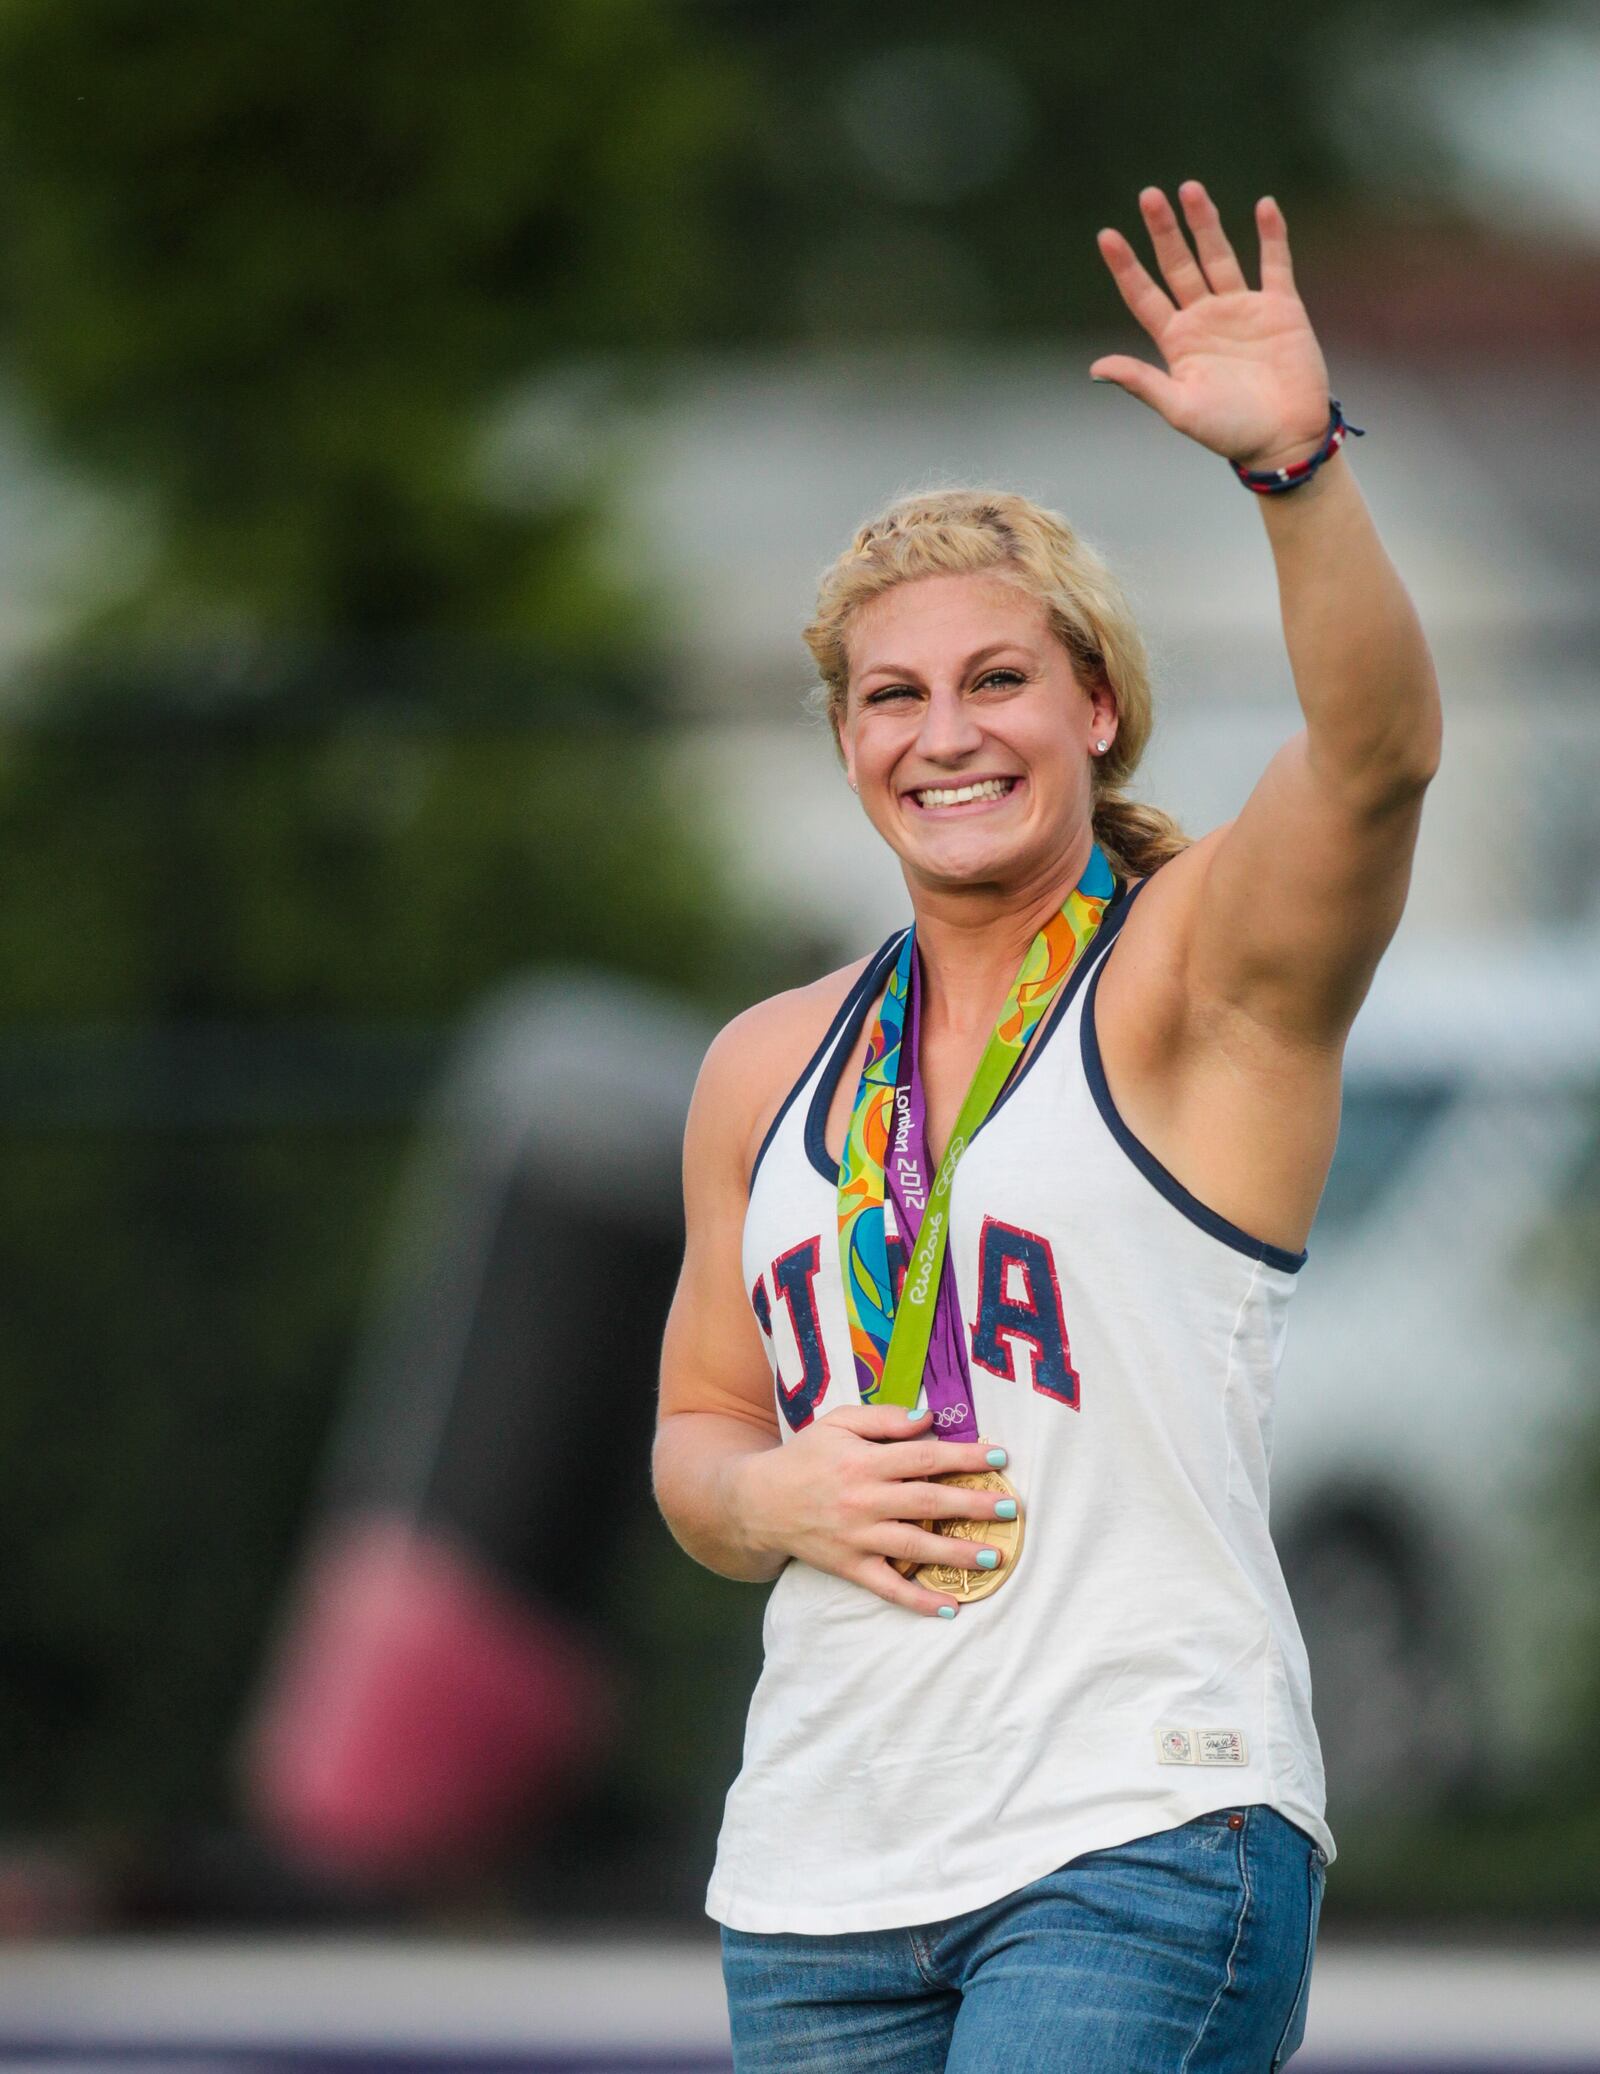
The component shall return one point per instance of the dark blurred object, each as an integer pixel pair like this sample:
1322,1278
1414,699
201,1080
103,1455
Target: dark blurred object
446,1680
234,949
48,1892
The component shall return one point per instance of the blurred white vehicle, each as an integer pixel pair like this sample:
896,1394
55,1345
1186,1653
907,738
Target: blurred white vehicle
1440,1377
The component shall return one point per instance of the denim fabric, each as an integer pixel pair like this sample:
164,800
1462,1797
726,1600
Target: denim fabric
1186,1952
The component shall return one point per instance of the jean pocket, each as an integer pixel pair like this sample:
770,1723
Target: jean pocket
1294,2030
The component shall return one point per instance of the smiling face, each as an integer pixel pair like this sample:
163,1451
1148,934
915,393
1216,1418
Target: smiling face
966,732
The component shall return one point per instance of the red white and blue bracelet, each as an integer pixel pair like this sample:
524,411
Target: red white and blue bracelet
1270,482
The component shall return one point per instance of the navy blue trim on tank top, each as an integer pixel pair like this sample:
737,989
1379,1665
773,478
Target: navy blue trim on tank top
1154,1172
848,1024
822,1095
864,986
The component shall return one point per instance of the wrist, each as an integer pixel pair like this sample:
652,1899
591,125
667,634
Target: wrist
1291,453
744,1512
1294,464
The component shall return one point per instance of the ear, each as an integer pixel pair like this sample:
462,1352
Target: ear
847,754
1103,702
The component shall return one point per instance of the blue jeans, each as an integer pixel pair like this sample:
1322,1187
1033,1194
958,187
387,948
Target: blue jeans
1186,1952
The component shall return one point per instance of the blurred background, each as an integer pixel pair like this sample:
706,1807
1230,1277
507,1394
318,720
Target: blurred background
423,429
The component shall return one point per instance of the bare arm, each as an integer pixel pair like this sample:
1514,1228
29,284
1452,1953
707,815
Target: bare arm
1317,864
698,1454
715,1409
1294,902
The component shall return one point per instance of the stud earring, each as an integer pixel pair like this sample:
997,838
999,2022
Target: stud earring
1102,747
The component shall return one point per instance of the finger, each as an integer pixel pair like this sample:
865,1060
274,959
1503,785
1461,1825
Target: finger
1217,256
1152,309
879,1421
944,1458
944,1501
1139,378
883,1578
1276,270
1179,267
902,1542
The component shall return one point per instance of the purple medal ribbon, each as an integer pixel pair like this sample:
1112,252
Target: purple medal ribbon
907,1177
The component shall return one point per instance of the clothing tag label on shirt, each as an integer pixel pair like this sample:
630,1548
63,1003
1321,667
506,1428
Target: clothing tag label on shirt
1201,1746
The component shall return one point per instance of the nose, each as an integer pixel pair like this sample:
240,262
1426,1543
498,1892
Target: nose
949,729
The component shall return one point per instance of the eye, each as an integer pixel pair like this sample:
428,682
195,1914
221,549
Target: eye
886,692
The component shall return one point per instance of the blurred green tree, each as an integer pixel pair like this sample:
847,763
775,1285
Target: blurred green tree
343,743
264,268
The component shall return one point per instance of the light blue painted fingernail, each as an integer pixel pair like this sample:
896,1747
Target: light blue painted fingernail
987,1559
912,1412
1005,1508
996,1458
947,1613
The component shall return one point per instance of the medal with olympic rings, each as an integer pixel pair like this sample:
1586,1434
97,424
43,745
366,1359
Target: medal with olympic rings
906,1333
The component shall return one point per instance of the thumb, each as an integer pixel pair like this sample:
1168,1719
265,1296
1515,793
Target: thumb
1139,378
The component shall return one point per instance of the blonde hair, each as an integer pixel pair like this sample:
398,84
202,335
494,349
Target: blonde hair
968,532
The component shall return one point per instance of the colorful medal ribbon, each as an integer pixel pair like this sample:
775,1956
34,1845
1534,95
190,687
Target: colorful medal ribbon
907,1334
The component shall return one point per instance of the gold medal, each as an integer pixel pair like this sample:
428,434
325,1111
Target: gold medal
1003,1534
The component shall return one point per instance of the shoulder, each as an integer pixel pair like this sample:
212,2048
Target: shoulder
754,1060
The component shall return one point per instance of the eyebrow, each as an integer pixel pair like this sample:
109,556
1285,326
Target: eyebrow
977,656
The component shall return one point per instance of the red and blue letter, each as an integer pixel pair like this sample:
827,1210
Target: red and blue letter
794,1276
1019,1300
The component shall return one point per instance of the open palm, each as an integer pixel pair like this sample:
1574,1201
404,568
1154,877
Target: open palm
1244,373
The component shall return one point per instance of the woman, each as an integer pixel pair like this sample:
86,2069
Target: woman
1030,1778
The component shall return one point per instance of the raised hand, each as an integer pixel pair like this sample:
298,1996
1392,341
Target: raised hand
1244,373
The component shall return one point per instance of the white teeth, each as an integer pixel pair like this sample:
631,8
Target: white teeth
954,795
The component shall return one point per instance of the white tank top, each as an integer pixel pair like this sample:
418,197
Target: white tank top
1143,1665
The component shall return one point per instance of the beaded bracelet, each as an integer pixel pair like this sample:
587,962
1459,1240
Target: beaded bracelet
1269,482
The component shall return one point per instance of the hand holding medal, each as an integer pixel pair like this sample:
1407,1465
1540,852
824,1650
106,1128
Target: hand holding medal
857,1489
1004,1536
